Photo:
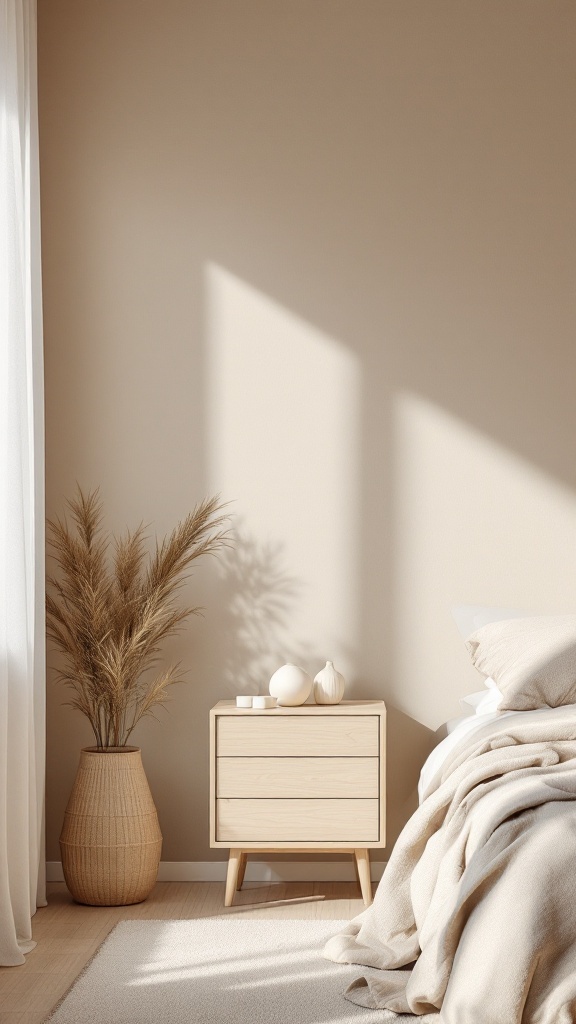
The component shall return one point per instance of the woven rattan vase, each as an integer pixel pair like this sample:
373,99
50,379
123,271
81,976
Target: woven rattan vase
111,839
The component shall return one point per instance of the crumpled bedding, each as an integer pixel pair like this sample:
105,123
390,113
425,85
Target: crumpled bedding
474,920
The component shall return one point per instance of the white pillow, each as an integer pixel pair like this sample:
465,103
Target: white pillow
483,702
490,702
470,702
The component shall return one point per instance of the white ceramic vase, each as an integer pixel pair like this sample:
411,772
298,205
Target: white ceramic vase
329,685
290,685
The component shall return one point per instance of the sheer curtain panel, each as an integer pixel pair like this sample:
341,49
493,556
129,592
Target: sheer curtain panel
22,645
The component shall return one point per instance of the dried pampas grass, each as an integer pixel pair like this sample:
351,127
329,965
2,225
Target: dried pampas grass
110,606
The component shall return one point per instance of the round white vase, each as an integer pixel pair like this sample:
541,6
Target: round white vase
290,685
329,685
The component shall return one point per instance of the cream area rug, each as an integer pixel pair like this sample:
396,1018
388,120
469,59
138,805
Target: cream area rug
215,971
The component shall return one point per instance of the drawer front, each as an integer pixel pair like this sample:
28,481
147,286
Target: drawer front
298,736
328,777
299,821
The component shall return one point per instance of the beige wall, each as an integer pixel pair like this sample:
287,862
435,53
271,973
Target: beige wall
317,255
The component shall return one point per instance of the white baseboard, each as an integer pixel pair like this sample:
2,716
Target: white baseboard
256,871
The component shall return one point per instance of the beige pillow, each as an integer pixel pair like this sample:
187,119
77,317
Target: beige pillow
531,660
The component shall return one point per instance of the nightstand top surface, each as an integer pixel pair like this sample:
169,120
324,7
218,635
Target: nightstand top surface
346,707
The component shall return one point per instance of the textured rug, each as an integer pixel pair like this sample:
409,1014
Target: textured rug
215,971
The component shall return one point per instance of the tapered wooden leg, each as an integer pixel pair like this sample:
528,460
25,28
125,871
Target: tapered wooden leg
356,875
363,866
241,870
234,858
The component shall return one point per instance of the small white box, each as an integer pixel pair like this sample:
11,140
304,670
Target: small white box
243,702
263,702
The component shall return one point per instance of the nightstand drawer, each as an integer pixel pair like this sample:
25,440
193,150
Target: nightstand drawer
298,736
297,821
352,777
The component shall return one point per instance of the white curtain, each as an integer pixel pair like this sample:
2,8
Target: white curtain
22,645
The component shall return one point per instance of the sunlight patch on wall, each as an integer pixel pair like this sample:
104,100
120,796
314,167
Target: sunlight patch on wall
283,442
474,523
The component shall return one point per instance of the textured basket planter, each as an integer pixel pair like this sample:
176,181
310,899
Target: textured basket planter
111,840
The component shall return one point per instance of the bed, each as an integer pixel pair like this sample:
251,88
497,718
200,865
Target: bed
474,921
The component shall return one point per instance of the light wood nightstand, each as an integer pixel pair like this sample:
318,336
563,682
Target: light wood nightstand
305,779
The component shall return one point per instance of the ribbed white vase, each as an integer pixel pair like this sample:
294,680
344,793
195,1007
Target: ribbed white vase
329,685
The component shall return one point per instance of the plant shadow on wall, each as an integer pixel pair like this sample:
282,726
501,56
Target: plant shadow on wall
255,596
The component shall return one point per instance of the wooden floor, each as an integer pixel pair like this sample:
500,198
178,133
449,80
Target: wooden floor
68,934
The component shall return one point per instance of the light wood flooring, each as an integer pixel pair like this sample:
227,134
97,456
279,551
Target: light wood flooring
68,934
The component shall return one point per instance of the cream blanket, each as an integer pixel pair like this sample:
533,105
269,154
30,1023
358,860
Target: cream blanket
474,921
